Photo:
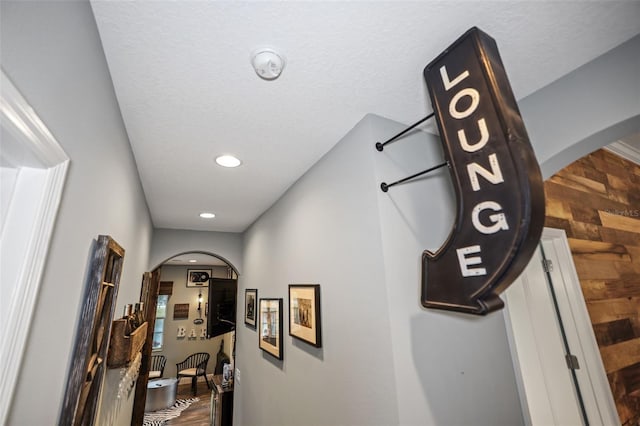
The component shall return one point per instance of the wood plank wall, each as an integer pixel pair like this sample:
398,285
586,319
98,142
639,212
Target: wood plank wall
596,200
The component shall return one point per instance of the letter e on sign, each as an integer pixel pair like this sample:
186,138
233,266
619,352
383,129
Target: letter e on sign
465,261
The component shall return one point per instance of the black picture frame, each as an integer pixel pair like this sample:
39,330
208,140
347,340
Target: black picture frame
251,307
270,326
198,277
304,313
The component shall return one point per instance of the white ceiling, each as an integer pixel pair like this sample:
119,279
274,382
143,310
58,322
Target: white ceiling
187,92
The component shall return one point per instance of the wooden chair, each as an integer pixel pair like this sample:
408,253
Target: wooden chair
156,369
195,365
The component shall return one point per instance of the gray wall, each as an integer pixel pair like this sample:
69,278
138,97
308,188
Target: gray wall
168,243
177,349
444,362
52,53
588,108
385,360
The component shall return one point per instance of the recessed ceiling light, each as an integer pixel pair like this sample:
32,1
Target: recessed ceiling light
228,161
207,215
192,261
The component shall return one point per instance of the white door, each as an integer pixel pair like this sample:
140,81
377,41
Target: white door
561,379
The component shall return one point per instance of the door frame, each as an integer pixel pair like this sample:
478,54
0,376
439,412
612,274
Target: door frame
149,295
591,376
28,228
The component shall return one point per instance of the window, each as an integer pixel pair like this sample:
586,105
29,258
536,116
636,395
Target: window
158,329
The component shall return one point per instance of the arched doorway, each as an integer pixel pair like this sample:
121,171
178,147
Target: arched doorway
195,313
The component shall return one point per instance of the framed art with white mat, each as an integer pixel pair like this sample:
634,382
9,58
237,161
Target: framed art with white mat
304,313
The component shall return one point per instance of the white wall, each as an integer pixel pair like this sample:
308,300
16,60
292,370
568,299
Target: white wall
176,349
52,53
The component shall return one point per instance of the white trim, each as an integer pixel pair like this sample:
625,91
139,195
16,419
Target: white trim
594,386
534,398
625,151
20,120
23,123
600,402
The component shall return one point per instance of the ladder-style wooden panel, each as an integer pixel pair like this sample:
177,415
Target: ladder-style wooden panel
92,337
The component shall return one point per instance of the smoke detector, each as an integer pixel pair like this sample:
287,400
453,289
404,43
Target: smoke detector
268,63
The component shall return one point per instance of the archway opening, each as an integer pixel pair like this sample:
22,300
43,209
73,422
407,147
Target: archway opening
195,324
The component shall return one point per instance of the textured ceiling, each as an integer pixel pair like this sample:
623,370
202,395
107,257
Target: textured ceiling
187,91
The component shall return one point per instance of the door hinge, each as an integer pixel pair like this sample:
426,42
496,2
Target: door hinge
572,362
547,265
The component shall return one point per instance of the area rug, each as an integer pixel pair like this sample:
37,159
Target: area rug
160,417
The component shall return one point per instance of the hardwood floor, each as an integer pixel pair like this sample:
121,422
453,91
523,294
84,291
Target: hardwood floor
198,413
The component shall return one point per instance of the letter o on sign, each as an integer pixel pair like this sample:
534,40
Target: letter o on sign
475,100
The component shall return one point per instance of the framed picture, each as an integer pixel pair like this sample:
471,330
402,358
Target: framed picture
198,277
304,313
181,311
250,307
270,336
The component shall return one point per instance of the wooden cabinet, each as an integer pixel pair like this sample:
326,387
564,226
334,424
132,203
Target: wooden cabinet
221,403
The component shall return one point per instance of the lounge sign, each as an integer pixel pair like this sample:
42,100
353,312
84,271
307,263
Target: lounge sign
495,174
